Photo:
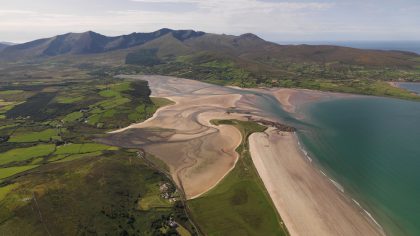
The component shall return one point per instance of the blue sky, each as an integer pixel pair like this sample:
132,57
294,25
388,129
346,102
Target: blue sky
275,20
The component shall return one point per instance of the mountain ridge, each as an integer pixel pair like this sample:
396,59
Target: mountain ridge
247,49
245,61
3,45
88,42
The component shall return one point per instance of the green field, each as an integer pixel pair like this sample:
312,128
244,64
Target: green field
72,157
153,200
23,154
10,92
50,162
73,116
7,172
6,190
44,135
239,204
109,93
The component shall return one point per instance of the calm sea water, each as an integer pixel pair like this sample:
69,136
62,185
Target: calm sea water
371,146
413,87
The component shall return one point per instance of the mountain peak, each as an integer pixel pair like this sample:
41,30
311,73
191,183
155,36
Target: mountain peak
164,30
250,36
89,42
186,34
90,32
7,43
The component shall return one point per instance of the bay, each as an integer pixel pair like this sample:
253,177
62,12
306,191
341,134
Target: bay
371,146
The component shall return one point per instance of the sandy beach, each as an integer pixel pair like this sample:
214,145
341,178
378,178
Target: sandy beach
307,201
200,154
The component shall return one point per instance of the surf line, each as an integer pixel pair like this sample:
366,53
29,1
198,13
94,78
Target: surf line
336,184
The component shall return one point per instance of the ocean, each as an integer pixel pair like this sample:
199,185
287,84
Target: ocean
370,146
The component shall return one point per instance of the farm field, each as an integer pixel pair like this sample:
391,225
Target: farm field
50,162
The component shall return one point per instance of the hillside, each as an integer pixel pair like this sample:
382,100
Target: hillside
245,60
179,42
3,46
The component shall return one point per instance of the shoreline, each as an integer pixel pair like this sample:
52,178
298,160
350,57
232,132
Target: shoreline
414,91
290,101
339,187
297,188
200,98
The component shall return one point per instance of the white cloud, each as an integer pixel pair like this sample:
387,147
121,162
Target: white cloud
276,19
4,12
238,5
236,16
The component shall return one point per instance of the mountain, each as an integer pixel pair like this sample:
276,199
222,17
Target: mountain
246,48
245,60
3,45
87,43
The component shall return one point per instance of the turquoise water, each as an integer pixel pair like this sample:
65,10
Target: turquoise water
371,146
413,87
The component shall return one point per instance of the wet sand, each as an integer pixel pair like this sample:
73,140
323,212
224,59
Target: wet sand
292,99
200,154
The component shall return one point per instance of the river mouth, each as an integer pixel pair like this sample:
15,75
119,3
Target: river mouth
200,154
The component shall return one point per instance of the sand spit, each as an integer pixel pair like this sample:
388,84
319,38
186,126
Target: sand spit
291,99
200,154
307,201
